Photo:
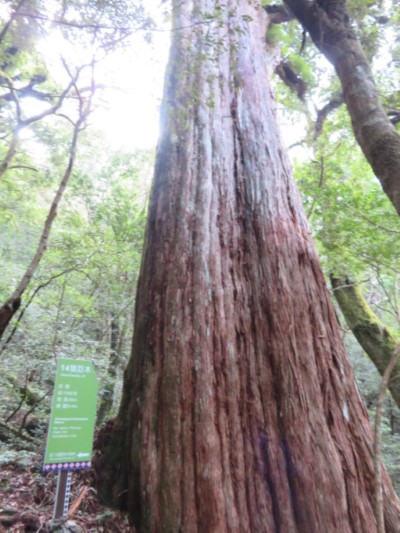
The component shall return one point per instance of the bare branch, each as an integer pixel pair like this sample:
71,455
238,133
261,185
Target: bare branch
323,113
21,123
51,110
25,92
8,308
72,24
25,167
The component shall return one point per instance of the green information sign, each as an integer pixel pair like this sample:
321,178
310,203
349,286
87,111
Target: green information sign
73,414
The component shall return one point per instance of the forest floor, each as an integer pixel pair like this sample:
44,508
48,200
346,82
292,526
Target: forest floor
27,499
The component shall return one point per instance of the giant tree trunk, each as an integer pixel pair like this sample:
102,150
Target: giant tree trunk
239,410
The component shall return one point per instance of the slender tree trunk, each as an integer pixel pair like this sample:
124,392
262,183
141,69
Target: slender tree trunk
12,150
239,409
10,307
114,363
379,506
332,31
376,339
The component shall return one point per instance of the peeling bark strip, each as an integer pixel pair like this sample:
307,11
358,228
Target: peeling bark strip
330,28
239,409
378,341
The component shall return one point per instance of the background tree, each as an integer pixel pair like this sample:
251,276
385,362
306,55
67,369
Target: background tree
330,27
83,288
38,101
378,341
103,30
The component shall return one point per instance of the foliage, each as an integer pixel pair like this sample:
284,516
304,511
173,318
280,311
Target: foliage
87,277
91,268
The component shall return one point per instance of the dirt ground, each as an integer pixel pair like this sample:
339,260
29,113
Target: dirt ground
27,499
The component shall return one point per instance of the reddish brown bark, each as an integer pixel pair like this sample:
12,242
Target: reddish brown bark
239,410
332,31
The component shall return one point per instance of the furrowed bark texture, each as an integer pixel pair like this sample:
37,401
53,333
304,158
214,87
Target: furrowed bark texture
377,340
331,30
239,410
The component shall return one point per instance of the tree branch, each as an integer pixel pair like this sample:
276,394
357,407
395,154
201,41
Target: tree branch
7,311
323,113
21,123
35,292
331,30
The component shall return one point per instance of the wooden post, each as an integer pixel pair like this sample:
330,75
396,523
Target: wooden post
62,494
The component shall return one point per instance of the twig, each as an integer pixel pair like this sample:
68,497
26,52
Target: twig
78,501
38,288
324,112
16,432
25,167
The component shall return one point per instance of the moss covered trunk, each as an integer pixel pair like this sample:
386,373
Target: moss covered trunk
377,340
239,408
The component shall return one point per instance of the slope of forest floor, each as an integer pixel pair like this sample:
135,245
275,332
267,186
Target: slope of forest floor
27,498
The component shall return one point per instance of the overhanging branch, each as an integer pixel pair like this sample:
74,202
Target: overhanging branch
331,30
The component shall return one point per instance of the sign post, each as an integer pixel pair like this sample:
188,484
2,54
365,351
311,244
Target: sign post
61,501
70,435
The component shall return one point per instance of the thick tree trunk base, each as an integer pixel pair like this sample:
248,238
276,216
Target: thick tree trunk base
239,410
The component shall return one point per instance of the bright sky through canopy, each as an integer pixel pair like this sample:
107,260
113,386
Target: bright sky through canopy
135,77
131,81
